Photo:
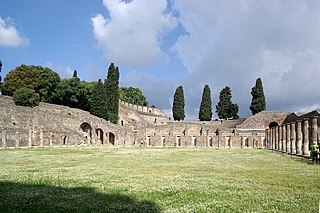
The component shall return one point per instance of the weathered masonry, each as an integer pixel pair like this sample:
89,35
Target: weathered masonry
295,134
49,125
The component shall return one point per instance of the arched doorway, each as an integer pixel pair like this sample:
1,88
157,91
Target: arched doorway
86,128
99,134
111,138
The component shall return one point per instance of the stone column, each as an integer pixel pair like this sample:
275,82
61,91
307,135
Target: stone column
267,137
30,136
276,138
41,137
299,138
242,141
284,141
4,138
270,139
305,146
288,139
293,138
314,129
17,139
279,138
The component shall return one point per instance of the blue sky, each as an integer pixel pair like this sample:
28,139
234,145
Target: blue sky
159,45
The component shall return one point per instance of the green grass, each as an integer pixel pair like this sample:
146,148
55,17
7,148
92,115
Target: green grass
119,179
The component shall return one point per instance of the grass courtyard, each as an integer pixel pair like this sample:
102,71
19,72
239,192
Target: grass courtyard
133,179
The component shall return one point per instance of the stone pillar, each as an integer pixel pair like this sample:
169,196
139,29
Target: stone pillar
280,138
41,137
207,139
284,141
267,137
242,141
305,146
50,139
270,139
30,136
314,129
276,141
299,138
293,138
4,138
288,139
17,139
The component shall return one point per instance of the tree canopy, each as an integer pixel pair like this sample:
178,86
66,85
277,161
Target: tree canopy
98,106
225,108
133,96
43,81
205,112
26,97
258,102
178,104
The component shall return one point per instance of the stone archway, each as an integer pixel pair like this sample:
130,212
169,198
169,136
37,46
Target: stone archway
99,135
273,124
87,132
112,138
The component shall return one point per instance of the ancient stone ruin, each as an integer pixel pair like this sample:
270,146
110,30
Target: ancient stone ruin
49,125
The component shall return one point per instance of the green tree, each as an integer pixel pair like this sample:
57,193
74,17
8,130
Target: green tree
205,112
43,81
26,97
178,104
258,102
0,71
225,108
98,106
112,86
72,93
133,96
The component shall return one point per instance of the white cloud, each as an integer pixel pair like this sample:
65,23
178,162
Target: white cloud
234,42
132,34
63,71
9,36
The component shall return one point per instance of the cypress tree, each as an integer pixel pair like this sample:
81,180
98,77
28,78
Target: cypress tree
178,105
0,70
225,108
258,102
112,94
98,107
205,112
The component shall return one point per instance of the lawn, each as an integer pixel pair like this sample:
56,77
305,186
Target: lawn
124,179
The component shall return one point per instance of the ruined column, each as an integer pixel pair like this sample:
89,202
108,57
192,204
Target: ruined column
267,137
288,138
270,139
275,140
314,129
242,141
299,138
279,138
293,138
17,139
284,141
305,146
30,136
41,137
4,138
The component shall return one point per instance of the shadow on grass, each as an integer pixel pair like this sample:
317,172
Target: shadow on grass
17,197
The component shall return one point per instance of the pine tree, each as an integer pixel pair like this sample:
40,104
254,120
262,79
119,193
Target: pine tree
258,102
205,112
111,86
178,105
225,108
98,107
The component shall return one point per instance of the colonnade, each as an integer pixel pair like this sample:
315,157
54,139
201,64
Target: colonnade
293,138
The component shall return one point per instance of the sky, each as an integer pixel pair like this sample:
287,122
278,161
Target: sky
161,44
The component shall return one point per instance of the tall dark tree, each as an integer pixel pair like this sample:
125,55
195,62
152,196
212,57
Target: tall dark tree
0,70
178,104
112,86
225,108
98,106
205,112
258,102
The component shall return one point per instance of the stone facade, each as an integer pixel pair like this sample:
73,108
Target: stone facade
53,125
